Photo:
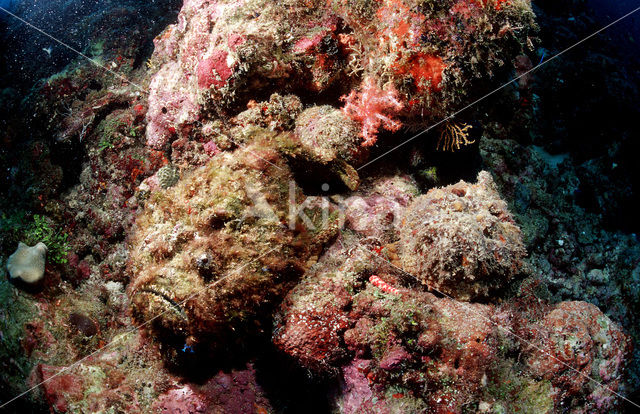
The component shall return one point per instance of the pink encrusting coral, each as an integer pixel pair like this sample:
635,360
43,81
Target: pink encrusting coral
214,70
396,62
374,108
172,106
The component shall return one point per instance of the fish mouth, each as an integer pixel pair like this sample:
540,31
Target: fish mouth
166,302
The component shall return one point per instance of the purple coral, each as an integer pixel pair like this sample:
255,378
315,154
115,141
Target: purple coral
183,400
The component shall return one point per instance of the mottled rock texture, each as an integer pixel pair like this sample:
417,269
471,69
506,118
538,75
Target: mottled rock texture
461,239
395,62
410,351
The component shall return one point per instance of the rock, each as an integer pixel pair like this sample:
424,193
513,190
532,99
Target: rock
233,392
393,359
59,389
27,263
597,276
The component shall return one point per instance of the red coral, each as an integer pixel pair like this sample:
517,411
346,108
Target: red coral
139,111
374,108
398,21
426,71
214,70
59,390
235,40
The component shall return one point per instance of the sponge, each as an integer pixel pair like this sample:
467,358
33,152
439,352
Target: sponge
27,263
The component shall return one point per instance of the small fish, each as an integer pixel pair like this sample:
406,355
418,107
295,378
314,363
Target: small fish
48,50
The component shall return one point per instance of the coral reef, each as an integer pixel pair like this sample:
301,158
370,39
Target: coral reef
572,253
216,245
578,335
16,309
405,350
461,240
397,62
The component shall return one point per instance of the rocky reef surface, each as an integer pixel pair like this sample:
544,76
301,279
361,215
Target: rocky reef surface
222,235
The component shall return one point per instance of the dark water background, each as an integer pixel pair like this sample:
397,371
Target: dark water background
78,24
